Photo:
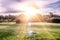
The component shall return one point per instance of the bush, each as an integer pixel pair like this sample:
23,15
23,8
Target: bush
18,21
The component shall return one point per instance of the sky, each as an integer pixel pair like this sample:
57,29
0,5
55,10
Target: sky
18,6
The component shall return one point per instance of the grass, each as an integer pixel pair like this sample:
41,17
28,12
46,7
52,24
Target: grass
20,32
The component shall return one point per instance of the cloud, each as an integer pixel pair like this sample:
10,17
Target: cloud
6,5
55,7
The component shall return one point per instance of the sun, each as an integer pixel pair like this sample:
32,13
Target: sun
31,13
31,10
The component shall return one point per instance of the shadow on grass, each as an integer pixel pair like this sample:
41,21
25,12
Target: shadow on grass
6,33
42,36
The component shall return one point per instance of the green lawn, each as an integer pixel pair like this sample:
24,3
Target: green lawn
43,31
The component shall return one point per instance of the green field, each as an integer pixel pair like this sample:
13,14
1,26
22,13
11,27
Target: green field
42,31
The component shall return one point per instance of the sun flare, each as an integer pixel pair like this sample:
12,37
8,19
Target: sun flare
31,10
31,14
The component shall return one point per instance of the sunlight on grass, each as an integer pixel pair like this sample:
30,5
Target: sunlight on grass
20,32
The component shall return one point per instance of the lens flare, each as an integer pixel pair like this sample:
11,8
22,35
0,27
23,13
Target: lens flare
31,32
29,24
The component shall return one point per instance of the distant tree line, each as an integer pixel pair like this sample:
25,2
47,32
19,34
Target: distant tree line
7,18
54,18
